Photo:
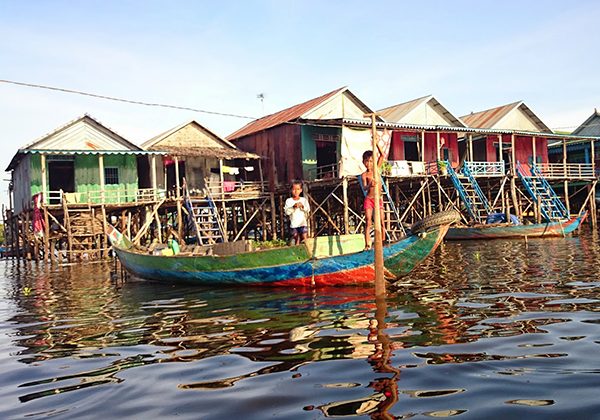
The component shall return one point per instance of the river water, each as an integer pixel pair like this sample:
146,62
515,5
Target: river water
496,329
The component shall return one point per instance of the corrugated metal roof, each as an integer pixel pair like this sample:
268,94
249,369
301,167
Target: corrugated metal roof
22,152
89,119
491,117
591,126
397,113
447,128
157,139
283,116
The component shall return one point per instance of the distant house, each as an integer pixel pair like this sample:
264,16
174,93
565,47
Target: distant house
82,162
309,141
513,117
204,159
435,145
580,151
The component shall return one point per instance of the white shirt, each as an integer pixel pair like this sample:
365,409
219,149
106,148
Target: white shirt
297,215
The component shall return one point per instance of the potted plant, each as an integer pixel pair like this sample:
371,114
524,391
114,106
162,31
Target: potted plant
443,167
386,168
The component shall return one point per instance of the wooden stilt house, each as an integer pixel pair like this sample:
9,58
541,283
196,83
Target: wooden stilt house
520,144
82,162
208,162
411,148
297,144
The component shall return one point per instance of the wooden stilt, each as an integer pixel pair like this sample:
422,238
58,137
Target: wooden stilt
273,216
345,198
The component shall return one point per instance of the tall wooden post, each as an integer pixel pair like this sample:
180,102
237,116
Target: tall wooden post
534,151
471,147
513,155
178,197
378,245
593,200
345,199
101,176
153,174
423,146
501,159
44,181
565,175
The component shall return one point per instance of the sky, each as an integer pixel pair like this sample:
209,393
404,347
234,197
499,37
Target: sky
219,56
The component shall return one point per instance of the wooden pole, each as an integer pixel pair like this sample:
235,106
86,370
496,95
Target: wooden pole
500,158
378,245
154,183
512,155
471,147
101,175
593,200
178,196
345,198
423,146
273,216
534,150
44,181
105,236
47,254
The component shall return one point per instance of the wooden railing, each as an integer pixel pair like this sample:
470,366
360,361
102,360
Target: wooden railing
234,189
324,172
112,196
407,168
486,168
567,170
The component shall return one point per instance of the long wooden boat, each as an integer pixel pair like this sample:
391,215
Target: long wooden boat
505,230
321,261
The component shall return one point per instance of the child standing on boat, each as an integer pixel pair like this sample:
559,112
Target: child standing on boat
297,208
368,185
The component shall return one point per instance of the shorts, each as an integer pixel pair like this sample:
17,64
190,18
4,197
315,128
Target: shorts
300,230
370,203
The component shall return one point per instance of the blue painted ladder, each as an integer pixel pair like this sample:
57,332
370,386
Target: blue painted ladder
551,206
470,193
390,211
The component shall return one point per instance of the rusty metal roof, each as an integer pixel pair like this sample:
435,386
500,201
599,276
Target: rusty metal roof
491,117
208,152
283,116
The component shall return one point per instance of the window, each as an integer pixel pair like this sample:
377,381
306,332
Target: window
111,176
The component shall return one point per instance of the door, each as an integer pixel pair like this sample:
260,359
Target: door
61,176
171,181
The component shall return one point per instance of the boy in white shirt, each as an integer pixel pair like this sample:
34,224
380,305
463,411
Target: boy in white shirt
297,209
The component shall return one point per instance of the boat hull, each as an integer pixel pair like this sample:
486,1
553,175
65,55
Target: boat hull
288,266
541,230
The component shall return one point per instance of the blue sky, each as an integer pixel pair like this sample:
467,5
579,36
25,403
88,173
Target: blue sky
472,55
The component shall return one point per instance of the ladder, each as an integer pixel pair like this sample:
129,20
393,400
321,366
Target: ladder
551,206
206,220
470,194
390,212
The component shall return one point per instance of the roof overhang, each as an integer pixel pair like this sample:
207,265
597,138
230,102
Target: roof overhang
50,152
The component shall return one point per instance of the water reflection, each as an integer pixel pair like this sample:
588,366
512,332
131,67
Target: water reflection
480,327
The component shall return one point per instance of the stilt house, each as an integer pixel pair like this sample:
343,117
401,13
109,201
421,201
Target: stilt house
80,162
523,145
309,141
416,146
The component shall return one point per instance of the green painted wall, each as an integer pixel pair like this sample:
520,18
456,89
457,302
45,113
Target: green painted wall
87,177
309,148
35,173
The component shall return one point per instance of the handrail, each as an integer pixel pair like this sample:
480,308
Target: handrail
325,171
105,196
485,168
477,188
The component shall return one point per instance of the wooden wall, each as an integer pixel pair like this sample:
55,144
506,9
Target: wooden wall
281,150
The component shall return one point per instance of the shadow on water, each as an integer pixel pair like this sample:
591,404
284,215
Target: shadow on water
483,329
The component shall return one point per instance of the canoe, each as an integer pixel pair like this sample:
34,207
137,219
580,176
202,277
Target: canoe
321,261
507,231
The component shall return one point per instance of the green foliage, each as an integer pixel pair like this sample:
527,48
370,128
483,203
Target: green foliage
386,168
276,243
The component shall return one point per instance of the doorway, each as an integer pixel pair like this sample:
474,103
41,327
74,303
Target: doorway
61,176
326,159
171,181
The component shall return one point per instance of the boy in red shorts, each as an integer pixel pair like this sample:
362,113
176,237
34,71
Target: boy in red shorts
369,188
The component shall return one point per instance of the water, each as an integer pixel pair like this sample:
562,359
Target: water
502,329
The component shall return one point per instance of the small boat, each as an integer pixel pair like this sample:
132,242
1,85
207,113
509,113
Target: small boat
507,230
320,261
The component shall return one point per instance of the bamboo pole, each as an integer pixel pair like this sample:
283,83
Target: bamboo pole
379,277
178,196
105,227
471,147
148,222
593,201
47,255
